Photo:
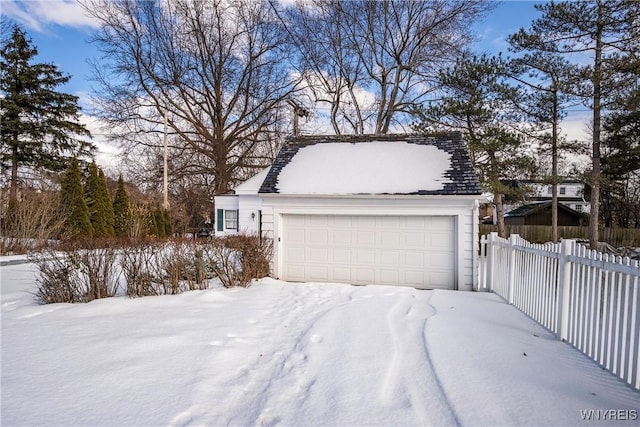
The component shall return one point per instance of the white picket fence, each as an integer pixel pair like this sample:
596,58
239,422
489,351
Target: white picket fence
588,299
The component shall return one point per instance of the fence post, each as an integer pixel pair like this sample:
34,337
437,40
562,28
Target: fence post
563,283
490,258
512,267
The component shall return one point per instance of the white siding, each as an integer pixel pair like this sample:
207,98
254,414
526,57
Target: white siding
249,215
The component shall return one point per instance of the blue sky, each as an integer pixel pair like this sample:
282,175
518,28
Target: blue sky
61,32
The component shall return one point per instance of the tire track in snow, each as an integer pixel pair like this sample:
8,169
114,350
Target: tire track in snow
411,378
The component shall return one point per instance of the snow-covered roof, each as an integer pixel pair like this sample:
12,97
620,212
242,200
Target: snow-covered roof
252,185
373,164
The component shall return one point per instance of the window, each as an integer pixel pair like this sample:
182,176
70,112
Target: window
563,190
549,189
230,220
578,208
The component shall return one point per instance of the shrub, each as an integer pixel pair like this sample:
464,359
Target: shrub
57,280
136,264
28,223
83,271
236,260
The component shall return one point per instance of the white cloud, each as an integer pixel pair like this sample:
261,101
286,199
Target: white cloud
36,15
107,155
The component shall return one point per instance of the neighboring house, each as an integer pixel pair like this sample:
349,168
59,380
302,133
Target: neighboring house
571,193
539,213
240,212
369,209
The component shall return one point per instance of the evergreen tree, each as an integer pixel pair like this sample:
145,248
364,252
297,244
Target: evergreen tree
158,221
95,203
121,210
73,207
477,101
105,199
168,229
542,78
601,29
40,126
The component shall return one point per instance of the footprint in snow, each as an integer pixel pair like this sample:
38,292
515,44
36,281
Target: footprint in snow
315,338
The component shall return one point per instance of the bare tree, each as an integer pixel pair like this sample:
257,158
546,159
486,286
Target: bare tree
391,49
218,69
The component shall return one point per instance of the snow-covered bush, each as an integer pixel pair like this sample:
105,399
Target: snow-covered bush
236,260
82,272
86,270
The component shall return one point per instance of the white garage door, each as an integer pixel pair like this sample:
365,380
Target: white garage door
414,251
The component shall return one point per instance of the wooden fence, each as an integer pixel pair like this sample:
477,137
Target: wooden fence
588,299
616,237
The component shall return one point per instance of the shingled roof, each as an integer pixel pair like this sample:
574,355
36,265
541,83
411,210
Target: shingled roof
457,177
533,207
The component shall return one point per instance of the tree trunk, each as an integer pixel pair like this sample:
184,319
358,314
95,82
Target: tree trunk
595,173
502,231
13,190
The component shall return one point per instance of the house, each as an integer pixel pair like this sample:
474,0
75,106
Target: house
571,193
369,209
240,212
539,213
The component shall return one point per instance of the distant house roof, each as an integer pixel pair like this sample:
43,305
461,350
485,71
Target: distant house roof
533,207
409,164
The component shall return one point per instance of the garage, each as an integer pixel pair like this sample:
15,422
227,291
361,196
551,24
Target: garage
396,209
404,250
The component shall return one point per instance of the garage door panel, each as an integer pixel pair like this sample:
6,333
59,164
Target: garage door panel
295,273
341,274
414,278
414,259
440,259
389,258
341,238
415,240
319,273
395,250
366,257
341,256
319,255
364,276
365,238
342,221
391,277
295,255
389,239
296,235
319,237
389,222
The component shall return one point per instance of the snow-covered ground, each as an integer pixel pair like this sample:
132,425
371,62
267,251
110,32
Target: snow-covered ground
294,355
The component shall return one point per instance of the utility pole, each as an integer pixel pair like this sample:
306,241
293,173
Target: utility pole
165,193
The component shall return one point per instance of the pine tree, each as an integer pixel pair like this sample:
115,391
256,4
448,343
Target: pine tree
168,229
105,199
95,203
158,221
73,207
545,96
600,29
40,126
121,210
477,101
